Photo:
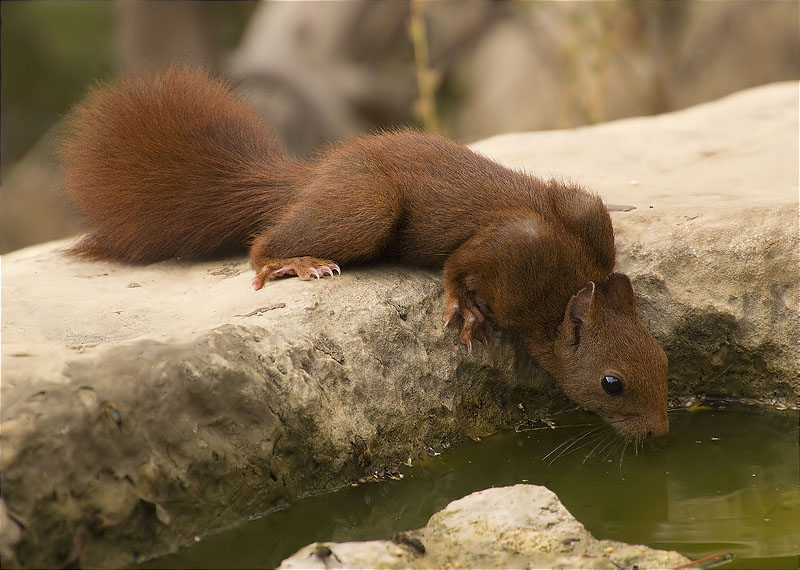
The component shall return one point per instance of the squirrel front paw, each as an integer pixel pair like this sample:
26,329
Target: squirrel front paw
474,319
304,267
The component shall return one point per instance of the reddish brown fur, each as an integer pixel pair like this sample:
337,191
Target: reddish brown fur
178,166
173,166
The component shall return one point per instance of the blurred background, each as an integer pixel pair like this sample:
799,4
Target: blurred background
324,71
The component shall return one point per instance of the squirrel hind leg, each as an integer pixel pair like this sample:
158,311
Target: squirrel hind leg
304,267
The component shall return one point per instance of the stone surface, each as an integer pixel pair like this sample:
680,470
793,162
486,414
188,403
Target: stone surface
737,152
142,406
523,526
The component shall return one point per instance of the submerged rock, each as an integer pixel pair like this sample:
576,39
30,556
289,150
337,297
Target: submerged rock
524,526
144,406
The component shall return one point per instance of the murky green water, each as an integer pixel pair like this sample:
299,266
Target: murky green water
723,480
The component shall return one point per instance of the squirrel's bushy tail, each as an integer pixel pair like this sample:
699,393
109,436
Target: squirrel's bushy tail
172,166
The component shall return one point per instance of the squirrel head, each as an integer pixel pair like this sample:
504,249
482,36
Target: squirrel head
608,362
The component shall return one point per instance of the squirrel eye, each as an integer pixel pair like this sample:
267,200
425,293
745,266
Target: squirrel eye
612,385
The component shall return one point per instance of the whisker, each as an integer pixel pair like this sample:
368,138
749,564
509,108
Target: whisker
618,421
559,446
567,451
572,441
520,428
569,440
609,446
611,440
623,455
613,448
605,438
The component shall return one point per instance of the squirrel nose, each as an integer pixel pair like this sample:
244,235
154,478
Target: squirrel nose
660,428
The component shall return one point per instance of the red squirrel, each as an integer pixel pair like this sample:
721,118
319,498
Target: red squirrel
178,166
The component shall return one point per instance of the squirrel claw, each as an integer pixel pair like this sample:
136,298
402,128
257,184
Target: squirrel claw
452,309
474,322
304,267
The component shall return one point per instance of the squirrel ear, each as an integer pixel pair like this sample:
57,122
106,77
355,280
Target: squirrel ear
619,291
579,310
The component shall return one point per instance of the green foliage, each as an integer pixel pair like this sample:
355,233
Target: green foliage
53,50
50,51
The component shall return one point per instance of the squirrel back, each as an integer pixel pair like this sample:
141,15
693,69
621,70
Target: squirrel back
172,166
